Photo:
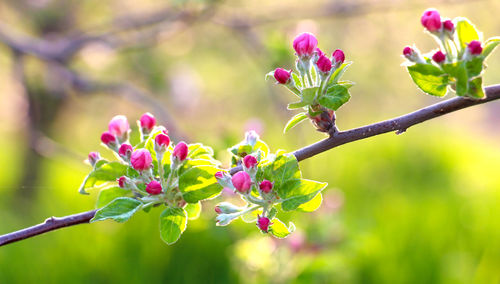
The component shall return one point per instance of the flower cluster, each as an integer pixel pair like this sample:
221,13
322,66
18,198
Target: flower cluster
316,83
458,61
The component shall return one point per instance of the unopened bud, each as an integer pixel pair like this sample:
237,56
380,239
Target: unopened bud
225,219
266,186
431,20
251,138
141,159
242,182
282,76
250,162
180,151
226,208
338,57
263,223
153,188
224,179
161,142
147,122
93,158
109,139
119,127
475,47
439,57
125,151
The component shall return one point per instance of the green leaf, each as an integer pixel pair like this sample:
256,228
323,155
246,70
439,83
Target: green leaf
312,204
346,83
475,66
120,210
108,171
280,169
298,191
199,183
476,88
296,119
339,72
490,45
262,146
296,80
199,151
429,78
193,210
296,105
336,95
107,195
308,95
173,222
280,230
459,72
466,32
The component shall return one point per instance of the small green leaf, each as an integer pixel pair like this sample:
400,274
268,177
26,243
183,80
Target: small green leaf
280,169
120,210
272,213
298,191
476,88
296,119
108,171
173,222
193,210
459,72
280,230
465,31
336,95
429,78
346,83
199,151
339,72
296,80
490,45
312,204
296,105
107,195
199,183
308,95
475,66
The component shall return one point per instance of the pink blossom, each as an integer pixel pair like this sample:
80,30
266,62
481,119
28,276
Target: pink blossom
180,151
305,44
125,150
119,126
108,138
141,159
153,188
439,56
250,161
282,76
474,47
338,57
241,181
147,121
266,186
263,223
431,20
324,64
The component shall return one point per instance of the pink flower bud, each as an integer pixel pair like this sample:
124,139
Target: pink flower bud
319,52
338,57
141,159
219,175
153,188
241,181
474,47
431,20
119,126
266,186
407,51
121,181
108,138
439,57
147,121
282,76
218,210
324,64
250,161
305,44
263,223
448,25
180,151
94,157
125,151
162,140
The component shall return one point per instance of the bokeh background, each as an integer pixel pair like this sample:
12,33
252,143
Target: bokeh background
421,207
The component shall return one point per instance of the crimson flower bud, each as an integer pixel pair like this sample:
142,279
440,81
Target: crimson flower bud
263,223
108,138
226,208
324,64
282,76
147,122
218,210
219,175
122,181
407,52
439,57
180,151
338,57
153,188
125,151
266,186
448,26
241,181
250,161
305,44
119,126
141,159
319,52
161,142
93,158
474,47
431,20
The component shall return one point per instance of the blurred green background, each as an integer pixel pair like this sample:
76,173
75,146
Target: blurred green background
421,207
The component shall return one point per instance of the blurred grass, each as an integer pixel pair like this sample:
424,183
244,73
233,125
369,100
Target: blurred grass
421,207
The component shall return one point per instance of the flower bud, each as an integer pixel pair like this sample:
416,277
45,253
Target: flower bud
266,186
319,52
448,26
250,161
282,76
180,151
324,121
119,127
108,139
408,52
431,20
226,208
161,142
122,181
93,158
439,57
147,122
324,64
242,182
338,57
263,223
125,151
224,179
305,44
474,47
225,219
153,188
251,137
141,159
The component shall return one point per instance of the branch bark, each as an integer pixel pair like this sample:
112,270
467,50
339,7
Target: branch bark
399,124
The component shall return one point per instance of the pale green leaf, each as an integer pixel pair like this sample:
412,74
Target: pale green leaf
296,119
279,229
429,78
173,222
120,210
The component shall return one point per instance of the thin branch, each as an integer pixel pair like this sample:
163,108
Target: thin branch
398,124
